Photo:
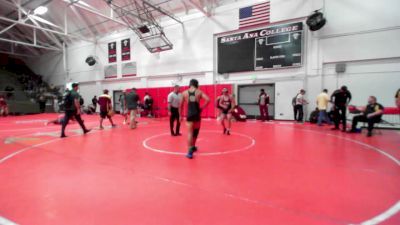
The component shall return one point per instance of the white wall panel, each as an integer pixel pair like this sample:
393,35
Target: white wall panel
284,92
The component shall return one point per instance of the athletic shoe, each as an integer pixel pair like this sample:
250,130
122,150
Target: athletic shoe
113,125
191,151
189,155
86,131
225,130
369,134
228,132
334,128
178,134
124,123
352,131
63,136
101,128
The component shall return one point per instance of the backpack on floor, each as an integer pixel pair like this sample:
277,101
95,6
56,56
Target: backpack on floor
314,116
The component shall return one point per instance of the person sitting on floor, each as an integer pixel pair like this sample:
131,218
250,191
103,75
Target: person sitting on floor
58,121
239,114
371,114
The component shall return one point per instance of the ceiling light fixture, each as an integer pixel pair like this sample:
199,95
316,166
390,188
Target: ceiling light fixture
40,10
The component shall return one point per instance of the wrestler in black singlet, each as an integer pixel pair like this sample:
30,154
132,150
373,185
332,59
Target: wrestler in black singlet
193,108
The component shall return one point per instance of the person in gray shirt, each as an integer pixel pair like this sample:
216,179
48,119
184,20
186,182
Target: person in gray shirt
131,103
174,100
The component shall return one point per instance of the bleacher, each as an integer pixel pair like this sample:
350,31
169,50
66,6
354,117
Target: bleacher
17,99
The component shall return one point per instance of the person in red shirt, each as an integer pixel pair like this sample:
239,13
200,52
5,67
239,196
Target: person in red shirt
226,103
3,106
104,102
263,101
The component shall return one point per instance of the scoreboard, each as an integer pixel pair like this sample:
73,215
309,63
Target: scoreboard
273,47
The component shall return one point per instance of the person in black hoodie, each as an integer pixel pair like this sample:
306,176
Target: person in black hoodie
340,98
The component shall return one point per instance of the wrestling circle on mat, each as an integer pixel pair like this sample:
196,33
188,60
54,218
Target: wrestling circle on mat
292,174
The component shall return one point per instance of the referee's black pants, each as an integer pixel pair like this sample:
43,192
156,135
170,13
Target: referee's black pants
298,113
174,116
340,116
68,115
362,118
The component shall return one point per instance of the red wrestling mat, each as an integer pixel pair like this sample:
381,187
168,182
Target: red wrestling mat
264,173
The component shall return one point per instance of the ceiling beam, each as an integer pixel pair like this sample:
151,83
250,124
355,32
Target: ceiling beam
44,29
87,9
185,6
17,4
126,11
51,36
30,44
41,20
22,36
85,22
17,54
11,26
199,7
162,11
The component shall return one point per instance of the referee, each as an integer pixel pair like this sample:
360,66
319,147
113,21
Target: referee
341,99
174,99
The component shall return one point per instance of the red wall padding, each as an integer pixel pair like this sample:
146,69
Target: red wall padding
160,95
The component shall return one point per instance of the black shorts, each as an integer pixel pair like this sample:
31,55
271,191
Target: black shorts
193,118
226,111
104,114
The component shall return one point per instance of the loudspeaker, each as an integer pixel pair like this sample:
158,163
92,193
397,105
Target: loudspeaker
90,60
316,21
340,68
144,29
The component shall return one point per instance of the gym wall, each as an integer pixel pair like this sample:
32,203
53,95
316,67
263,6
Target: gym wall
355,33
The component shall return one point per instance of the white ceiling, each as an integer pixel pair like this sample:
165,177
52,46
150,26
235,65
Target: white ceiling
84,18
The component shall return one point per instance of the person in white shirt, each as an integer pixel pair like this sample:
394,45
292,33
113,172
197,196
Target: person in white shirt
174,100
298,108
148,105
322,105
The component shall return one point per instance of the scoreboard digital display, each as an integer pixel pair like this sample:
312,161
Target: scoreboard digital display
273,47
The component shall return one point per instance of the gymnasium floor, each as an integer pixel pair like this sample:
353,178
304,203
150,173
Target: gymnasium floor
264,173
